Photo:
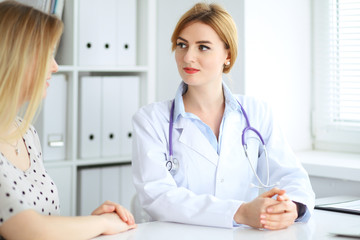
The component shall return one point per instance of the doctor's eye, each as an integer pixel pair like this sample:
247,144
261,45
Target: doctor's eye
181,45
203,48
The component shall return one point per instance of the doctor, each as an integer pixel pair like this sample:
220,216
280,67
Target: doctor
189,163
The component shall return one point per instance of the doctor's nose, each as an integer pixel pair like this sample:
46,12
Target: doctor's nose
190,56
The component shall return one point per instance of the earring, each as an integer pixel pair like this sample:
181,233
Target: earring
228,63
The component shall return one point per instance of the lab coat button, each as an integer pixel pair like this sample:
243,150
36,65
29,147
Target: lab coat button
222,180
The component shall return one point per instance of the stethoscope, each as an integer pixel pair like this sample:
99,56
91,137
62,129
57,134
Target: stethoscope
172,164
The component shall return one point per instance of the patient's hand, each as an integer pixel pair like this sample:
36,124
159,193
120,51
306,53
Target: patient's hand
114,224
109,207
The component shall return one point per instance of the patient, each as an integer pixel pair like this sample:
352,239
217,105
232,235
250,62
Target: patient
29,202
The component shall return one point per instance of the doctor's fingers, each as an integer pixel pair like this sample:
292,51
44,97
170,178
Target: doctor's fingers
281,207
272,192
282,197
277,221
265,203
259,205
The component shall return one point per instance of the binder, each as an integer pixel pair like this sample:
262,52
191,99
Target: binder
97,32
90,190
111,116
51,123
107,32
126,186
129,103
126,32
63,177
44,6
90,117
110,184
107,105
96,185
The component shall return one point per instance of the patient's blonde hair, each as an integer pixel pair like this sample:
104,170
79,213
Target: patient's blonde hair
27,40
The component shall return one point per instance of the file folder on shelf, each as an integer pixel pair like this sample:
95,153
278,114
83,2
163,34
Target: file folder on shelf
110,184
126,32
97,43
126,186
99,184
110,37
96,186
111,116
90,117
129,103
63,178
120,101
51,123
90,186
107,105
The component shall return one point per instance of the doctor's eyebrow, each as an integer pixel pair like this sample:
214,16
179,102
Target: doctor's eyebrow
198,42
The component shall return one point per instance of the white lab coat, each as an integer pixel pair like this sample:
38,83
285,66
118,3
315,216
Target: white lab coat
209,188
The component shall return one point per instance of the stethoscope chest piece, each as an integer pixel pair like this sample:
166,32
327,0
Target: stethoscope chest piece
172,165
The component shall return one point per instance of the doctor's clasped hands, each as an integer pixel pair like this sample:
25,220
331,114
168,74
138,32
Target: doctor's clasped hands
267,212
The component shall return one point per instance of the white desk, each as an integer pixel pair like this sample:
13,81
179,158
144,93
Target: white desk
318,228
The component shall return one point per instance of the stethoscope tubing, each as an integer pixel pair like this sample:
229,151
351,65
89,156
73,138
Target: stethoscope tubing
172,163
171,123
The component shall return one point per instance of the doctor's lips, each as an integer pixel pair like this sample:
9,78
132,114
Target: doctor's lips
191,70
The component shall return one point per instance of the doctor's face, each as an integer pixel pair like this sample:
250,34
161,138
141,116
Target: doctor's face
200,54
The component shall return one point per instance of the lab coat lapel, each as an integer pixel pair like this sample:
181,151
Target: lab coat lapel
193,138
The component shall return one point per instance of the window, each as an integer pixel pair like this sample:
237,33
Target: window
336,74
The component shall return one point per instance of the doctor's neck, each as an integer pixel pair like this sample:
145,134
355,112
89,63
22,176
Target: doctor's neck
205,97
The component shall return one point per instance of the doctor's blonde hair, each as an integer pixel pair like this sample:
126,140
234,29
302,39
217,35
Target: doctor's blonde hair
216,17
27,40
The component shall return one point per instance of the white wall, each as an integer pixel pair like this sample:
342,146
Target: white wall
277,39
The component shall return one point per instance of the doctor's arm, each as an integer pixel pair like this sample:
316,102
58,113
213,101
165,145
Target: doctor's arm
286,170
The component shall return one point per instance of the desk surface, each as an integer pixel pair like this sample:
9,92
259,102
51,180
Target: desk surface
319,227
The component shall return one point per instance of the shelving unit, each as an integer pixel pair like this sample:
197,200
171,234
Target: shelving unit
65,172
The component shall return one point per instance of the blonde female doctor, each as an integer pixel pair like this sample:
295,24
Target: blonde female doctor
199,158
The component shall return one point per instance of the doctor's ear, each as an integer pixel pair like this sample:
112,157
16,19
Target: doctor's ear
227,60
227,63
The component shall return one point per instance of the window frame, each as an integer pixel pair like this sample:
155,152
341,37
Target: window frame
326,135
